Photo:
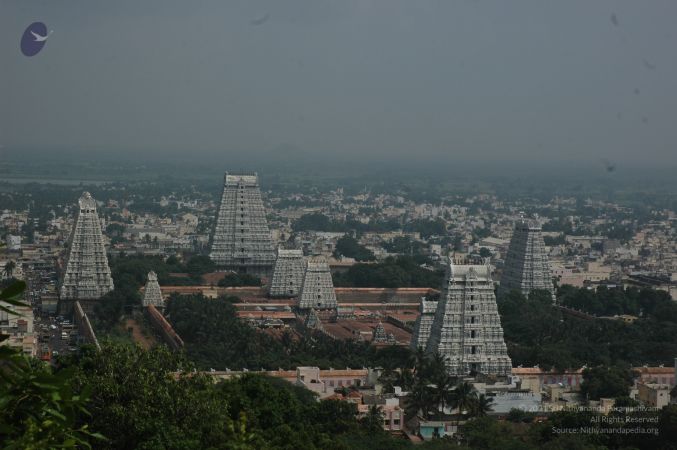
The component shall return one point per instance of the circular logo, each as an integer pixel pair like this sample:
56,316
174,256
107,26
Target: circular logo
34,38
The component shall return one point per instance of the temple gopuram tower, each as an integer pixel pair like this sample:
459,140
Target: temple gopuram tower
241,241
288,273
526,264
152,295
466,329
87,275
423,325
317,290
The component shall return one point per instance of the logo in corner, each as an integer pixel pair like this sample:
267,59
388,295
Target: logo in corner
34,38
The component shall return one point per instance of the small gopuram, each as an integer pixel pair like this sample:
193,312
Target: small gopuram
317,290
526,264
241,241
152,295
87,276
288,274
466,329
380,337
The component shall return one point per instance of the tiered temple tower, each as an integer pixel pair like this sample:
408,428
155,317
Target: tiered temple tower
288,273
526,265
317,290
424,323
87,275
380,337
152,295
241,239
467,329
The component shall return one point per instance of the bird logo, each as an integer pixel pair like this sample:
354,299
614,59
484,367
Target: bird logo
39,38
34,38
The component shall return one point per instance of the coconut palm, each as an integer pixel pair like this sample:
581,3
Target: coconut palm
435,367
420,362
463,398
481,405
420,399
405,379
440,393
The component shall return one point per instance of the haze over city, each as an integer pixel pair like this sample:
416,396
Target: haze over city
338,224
483,81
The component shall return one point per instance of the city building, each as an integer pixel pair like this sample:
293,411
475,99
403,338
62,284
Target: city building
526,266
87,275
288,273
152,295
241,240
653,394
317,290
467,329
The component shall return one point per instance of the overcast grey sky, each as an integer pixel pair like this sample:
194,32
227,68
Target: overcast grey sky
466,80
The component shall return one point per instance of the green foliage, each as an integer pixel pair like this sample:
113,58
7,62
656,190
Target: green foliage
199,265
38,409
485,252
115,229
615,301
402,271
537,333
427,227
216,338
349,247
239,279
551,241
404,245
10,296
519,415
317,222
606,382
138,403
152,399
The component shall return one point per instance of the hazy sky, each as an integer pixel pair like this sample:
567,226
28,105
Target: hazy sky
466,80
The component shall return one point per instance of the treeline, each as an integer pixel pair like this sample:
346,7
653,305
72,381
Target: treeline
124,397
349,246
537,333
320,222
131,272
605,301
393,272
216,338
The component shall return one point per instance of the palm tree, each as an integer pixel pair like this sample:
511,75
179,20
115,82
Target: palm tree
405,379
420,399
463,398
9,268
481,405
437,366
420,360
440,394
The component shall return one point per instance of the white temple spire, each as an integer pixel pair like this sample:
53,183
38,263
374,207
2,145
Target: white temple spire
87,275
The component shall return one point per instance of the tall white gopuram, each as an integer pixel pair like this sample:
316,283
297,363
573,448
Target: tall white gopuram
317,290
241,240
152,295
466,329
288,273
526,264
87,275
